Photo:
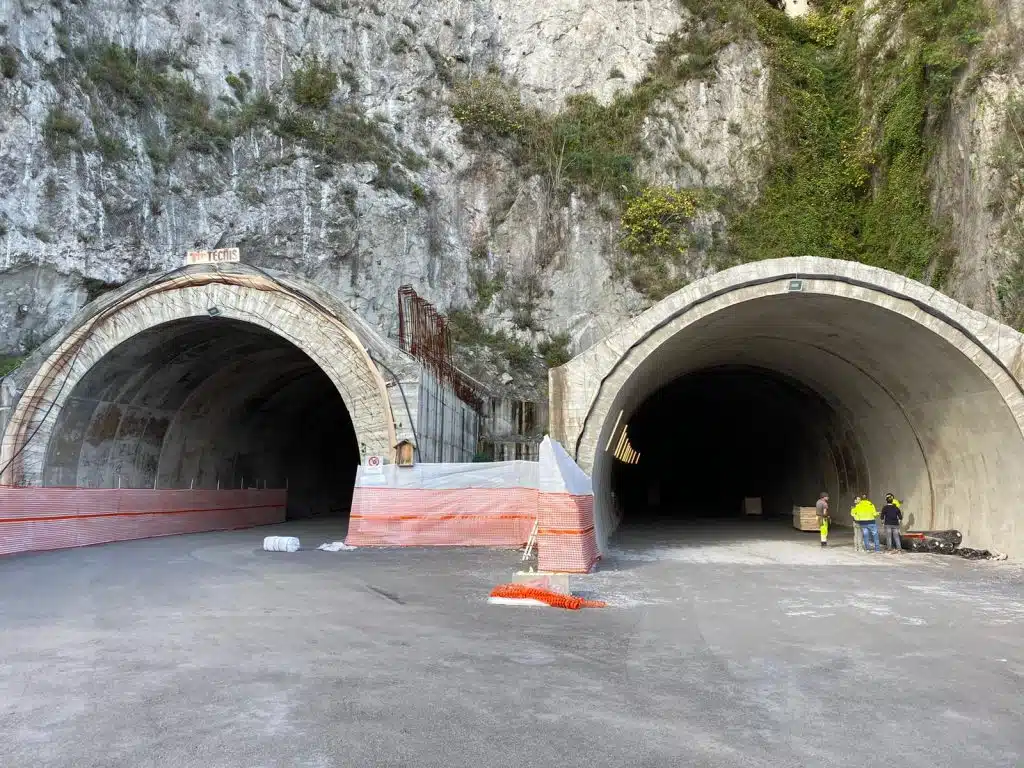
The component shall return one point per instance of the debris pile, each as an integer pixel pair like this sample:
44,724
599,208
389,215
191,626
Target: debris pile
945,543
335,546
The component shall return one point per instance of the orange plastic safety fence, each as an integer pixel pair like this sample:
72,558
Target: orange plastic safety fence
566,541
554,599
466,517
54,518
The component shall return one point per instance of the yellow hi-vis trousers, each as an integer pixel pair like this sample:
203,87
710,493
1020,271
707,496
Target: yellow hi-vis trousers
823,527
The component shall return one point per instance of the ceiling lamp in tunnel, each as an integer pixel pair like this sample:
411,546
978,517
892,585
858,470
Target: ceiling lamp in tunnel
213,311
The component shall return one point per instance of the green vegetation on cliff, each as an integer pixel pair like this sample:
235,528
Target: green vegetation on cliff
155,91
853,125
1006,202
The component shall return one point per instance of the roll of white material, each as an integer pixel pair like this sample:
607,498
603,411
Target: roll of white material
281,544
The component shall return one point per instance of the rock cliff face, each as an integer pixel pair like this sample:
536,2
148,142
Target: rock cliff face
977,172
320,137
105,177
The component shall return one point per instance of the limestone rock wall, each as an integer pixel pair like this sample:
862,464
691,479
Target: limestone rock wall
110,191
80,219
972,193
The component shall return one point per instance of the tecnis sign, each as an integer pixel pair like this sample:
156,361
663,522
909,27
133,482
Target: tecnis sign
213,257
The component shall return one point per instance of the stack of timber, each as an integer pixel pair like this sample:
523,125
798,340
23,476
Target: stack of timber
805,519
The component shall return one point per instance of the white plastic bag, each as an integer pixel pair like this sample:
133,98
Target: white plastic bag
281,544
335,546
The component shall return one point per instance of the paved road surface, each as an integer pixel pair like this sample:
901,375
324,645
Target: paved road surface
723,647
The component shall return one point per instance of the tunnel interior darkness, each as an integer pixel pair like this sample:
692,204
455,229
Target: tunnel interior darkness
208,403
709,439
788,394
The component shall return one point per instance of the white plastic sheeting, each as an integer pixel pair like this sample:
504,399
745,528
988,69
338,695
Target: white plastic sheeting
335,546
281,544
500,474
559,473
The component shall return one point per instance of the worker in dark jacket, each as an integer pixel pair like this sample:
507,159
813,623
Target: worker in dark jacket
821,510
892,516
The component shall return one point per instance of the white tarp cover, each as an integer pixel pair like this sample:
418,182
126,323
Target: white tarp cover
559,473
498,474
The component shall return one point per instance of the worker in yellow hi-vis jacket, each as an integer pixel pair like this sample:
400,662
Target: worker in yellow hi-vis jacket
864,516
821,509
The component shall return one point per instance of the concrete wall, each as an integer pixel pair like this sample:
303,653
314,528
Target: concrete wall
448,429
928,389
512,429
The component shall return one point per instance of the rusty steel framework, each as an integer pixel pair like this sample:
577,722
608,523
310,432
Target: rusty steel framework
423,332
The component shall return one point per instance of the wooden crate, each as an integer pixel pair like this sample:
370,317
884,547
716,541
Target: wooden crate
805,518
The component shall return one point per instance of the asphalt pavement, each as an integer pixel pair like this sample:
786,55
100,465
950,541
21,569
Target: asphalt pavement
735,645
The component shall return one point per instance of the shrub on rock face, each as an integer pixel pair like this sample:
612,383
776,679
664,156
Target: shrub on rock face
314,84
655,221
8,61
655,237
61,131
488,106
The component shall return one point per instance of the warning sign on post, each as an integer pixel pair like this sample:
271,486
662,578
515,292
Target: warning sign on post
213,257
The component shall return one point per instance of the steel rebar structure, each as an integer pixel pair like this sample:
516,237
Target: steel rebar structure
423,332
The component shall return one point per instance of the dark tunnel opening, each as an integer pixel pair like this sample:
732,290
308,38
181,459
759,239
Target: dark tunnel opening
711,439
208,403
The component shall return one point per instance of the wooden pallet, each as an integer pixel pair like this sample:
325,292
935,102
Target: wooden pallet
805,518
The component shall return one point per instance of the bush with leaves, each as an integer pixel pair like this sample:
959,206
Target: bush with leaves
655,221
488,106
314,84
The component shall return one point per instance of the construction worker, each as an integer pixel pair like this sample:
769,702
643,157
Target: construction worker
821,509
858,536
864,514
892,516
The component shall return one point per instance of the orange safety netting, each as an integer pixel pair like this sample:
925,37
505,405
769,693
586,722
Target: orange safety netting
486,504
454,517
34,519
565,533
546,596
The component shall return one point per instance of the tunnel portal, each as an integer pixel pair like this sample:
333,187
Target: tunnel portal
208,403
209,377
781,379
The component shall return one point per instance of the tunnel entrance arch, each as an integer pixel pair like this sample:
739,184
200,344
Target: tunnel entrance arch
913,392
195,380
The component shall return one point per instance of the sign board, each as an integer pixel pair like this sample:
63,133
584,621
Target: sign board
373,471
213,257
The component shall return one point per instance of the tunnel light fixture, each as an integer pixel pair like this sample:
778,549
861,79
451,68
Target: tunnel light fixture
611,437
213,311
623,449
796,285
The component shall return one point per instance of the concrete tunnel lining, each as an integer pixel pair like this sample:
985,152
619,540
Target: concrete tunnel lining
249,300
749,431
207,403
934,413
